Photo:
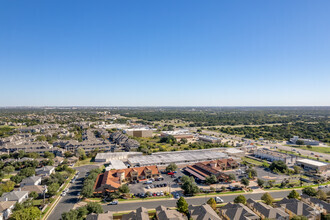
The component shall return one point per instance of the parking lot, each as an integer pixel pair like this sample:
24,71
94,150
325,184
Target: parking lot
165,183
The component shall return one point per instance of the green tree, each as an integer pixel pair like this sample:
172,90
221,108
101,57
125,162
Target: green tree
124,188
260,182
245,181
321,195
52,189
296,169
251,173
182,205
7,186
212,203
81,154
93,207
278,165
171,167
240,199
231,177
300,142
27,172
33,194
41,138
49,155
68,154
8,169
293,195
267,198
30,213
211,179
309,191
71,215
189,186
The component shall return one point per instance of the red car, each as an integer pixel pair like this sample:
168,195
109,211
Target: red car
170,173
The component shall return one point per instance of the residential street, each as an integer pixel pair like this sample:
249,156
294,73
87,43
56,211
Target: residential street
67,202
152,204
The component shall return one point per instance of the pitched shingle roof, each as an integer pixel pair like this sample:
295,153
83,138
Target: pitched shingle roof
203,212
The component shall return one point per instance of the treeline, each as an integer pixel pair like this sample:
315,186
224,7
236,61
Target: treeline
87,190
229,116
317,131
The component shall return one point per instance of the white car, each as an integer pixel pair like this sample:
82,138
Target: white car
63,193
218,200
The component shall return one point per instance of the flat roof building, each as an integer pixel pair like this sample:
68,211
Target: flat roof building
178,157
139,132
275,155
209,139
312,165
107,157
178,134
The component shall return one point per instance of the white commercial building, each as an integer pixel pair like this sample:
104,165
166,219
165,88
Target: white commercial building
178,157
107,157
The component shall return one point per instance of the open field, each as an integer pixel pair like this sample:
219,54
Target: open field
325,150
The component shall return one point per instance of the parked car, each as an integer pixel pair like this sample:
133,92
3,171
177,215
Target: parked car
218,200
113,203
176,196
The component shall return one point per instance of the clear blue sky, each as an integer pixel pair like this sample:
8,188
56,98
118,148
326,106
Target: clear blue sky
164,52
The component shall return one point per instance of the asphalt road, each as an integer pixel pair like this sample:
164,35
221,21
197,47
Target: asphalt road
67,202
150,204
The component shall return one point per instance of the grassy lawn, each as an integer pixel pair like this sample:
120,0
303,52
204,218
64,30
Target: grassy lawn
37,202
255,162
325,150
221,193
308,157
87,161
155,146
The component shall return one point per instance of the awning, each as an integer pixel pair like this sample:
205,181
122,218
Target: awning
195,174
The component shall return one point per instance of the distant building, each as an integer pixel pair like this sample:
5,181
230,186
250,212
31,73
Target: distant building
275,155
306,141
312,165
139,132
209,139
179,134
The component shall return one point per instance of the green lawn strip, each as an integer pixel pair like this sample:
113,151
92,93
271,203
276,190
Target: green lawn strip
221,193
325,150
87,161
298,187
249,160
304,156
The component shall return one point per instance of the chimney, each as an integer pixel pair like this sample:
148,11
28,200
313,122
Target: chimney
6,199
